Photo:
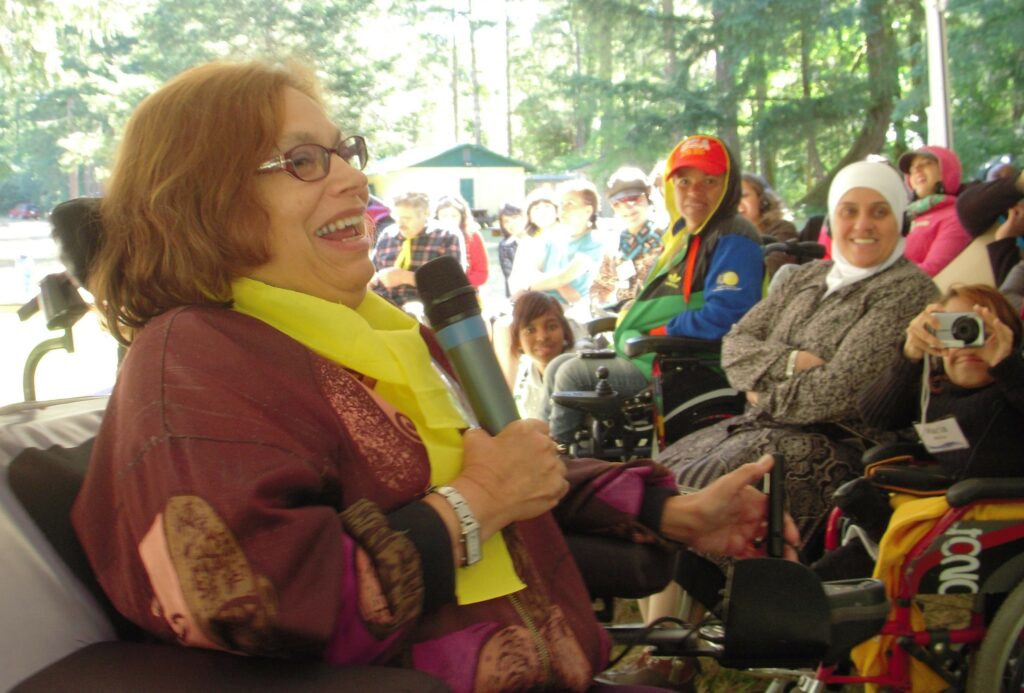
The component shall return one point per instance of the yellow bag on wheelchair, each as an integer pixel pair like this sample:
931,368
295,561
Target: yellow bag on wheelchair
914,517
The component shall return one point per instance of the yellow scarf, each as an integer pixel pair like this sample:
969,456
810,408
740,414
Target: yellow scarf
404,258
383,343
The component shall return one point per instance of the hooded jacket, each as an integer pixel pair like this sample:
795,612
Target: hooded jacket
705,279
936,235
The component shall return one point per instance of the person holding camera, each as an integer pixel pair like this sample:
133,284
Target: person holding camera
980,384
975,390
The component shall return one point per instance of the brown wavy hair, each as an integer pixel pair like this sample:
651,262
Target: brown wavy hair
770,204
182,217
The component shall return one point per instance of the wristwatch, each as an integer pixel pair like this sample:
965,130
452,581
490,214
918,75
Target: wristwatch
468,526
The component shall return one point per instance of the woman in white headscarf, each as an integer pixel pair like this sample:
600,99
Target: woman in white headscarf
804,353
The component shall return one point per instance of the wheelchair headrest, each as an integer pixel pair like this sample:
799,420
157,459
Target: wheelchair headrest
76,230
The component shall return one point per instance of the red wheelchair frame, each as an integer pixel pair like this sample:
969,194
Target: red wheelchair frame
957,555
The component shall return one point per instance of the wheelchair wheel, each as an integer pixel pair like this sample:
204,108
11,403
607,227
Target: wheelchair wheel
999,663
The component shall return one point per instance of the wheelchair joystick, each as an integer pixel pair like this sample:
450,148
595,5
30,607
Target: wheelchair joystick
603,388
776,490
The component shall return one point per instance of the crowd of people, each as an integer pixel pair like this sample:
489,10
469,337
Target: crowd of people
283,468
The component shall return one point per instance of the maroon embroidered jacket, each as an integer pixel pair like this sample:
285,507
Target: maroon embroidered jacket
246,494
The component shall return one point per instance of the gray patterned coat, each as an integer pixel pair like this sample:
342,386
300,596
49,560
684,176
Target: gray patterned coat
856,331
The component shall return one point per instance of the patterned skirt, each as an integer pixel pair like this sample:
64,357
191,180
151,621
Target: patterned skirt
818,460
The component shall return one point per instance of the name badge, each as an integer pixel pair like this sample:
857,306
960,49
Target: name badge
943,435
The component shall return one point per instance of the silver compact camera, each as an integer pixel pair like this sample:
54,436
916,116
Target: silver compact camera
960,330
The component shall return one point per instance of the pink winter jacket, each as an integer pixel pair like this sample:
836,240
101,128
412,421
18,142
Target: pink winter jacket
936,236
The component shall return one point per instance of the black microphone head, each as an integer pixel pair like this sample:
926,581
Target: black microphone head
445,291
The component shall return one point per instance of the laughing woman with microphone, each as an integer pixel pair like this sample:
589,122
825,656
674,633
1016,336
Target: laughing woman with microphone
283,469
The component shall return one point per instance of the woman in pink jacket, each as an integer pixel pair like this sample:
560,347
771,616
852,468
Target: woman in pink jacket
936,237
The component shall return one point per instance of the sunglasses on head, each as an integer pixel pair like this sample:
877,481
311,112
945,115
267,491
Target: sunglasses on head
312,162
629,201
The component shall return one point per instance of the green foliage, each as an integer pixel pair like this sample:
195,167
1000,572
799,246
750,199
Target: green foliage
801,85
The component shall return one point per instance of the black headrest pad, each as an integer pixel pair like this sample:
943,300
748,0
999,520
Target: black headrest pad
46,483
77,231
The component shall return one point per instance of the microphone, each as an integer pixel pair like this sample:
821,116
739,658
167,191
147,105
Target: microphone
452,307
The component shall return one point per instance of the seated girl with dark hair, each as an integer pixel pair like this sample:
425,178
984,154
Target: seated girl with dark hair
540,332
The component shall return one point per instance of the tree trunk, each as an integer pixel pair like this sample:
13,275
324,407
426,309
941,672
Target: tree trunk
473,75
815,169
603,46
883,86
759,159
455,78
580,139
669,39
508,81
725,77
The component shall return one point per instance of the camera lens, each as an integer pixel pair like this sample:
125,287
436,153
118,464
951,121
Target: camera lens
965,329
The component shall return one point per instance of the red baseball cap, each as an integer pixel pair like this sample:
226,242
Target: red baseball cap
701,152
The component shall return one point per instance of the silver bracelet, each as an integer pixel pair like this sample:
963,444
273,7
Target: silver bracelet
468,526
791,363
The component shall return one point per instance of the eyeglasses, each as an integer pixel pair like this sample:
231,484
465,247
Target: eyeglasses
312,162
630,201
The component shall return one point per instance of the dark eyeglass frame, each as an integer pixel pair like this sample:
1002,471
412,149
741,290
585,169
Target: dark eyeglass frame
349,149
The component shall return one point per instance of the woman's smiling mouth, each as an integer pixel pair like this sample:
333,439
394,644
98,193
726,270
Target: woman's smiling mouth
342,229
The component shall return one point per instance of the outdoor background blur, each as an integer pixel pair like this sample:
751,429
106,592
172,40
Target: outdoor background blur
799,87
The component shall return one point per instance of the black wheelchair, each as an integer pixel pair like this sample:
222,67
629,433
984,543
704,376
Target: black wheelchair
688,389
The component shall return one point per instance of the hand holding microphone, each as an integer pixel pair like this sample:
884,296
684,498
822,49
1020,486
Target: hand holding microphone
515,473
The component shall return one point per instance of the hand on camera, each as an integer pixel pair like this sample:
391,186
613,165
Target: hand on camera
921,337
998,337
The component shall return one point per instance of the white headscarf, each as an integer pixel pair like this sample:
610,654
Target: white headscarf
884,179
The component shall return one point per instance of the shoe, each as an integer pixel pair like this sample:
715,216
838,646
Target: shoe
670,673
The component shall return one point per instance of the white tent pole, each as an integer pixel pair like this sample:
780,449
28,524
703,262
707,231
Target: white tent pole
940,129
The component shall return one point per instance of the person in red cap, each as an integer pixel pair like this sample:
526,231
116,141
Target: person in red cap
936,237
708,275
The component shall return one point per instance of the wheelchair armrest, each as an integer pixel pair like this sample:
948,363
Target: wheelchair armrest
618,568
808,250
589,401
925,478
638,346
599,325
886,451
971,490
118,666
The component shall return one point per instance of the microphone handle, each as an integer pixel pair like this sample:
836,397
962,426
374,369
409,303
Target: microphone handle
469,349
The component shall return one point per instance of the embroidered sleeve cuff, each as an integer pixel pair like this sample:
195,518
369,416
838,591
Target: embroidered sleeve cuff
653,505
427,532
